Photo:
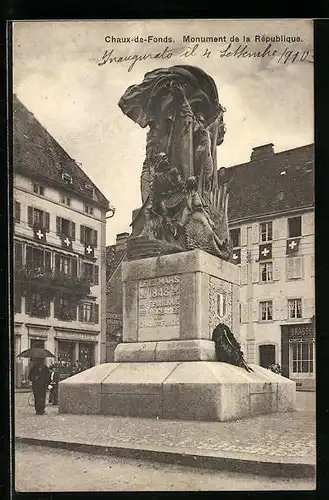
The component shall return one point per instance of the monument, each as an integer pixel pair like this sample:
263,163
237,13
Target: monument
180,285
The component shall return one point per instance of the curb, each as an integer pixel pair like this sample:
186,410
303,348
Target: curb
281,467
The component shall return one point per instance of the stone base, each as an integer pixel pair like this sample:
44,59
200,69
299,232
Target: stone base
170,350
177,390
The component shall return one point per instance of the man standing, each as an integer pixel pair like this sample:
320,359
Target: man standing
40,378
54,381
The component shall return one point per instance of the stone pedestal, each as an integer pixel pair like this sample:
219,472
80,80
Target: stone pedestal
172,303
165,367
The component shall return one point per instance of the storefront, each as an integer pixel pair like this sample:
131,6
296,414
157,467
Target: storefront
72,348
298,354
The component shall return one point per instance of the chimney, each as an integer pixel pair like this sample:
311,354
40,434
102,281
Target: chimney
262,152
121,241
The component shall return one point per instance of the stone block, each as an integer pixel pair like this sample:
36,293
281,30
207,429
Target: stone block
135,352
132,405
185,350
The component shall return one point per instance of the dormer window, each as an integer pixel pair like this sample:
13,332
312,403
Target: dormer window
67,178
90,190
38,189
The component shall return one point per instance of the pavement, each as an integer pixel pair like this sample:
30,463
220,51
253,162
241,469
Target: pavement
279,444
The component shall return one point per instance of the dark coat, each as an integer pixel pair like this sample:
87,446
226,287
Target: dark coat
40,376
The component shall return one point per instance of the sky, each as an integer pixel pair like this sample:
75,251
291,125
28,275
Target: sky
57,76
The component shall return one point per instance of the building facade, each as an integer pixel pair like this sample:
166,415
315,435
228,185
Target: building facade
272,231
59,251
271,219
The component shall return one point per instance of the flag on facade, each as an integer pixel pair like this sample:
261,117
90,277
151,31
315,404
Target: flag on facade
39,233
237,256
292,245
66,242
265,251
89,251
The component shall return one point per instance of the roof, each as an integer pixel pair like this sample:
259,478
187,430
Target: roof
272,182
37,153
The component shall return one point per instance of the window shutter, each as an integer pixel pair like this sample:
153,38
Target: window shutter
73,231
18,254
17,214
58,225
82,235
74,267
47,221
290,267
96,313
244,313
308,224
279,227
255,314
244,274
29,258
276,270
94,238
96,275
310,268
244,236
255,272
308,307
30,216
48,260
255,233
57,263
81,312
280,309
298,263
28,303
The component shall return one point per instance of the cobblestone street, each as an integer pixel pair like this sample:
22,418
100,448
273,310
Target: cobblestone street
71,471
289,435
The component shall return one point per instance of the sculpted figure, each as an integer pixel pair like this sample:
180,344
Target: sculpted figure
184,198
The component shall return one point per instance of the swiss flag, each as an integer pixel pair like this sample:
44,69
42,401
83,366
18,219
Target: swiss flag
89,251
292,245
66,242
265,251
39,233
236,256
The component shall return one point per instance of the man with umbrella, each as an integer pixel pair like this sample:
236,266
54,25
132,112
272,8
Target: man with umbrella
39,376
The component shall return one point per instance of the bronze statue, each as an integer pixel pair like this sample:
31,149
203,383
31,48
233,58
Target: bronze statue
184,199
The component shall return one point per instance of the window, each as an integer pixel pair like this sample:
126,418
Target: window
90,190
65,264
88,236
295,308
294,227
36,217
266,271
65,308
294,267
302,355
17,212
89,312
266,310
18,255
66,200
38,189
235,235
91,273
18,301
37,258
265,229
67,178
88,209
37,305
65,227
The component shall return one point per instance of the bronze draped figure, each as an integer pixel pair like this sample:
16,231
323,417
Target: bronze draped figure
185,199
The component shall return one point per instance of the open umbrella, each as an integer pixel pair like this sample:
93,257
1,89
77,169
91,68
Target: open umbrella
36,352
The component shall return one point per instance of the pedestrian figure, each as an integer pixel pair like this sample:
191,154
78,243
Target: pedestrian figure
54,381
40,377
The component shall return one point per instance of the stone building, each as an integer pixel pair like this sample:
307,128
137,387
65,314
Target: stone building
271,217
271,213
59,250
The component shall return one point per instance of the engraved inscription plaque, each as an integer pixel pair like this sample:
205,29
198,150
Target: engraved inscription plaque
158,308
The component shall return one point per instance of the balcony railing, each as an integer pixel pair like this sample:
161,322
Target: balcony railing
31,276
